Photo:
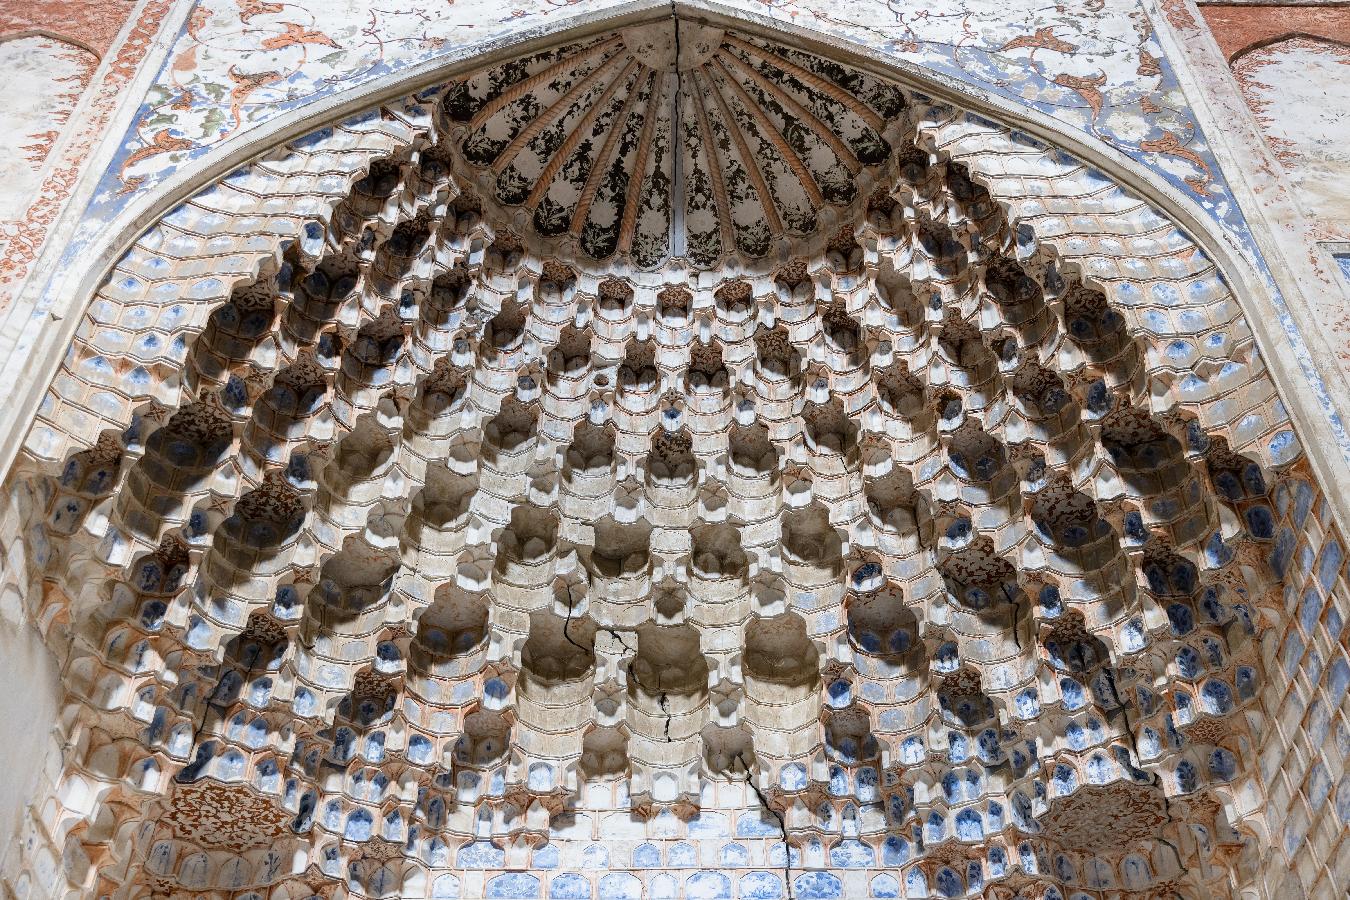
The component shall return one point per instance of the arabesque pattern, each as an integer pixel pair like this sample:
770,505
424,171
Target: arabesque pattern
425,555
700,145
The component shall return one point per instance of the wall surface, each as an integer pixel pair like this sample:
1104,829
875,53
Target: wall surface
30,699
1235,116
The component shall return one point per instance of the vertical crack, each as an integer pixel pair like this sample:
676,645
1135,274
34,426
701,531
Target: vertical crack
1124,713
678,244
1157,780
1014,597
662,698
210,701
664,702
675,27
567,624
782,823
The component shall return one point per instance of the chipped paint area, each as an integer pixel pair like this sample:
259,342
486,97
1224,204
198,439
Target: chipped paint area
1240,26
43,82
1299,90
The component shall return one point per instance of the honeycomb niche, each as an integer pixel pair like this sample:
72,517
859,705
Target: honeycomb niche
667,470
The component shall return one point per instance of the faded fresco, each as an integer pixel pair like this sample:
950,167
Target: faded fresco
1299,90
48,77
1093,64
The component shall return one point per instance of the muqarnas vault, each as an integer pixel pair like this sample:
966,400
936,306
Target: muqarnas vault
663,464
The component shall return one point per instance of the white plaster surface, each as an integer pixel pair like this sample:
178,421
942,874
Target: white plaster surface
30,695
41,80
1299,89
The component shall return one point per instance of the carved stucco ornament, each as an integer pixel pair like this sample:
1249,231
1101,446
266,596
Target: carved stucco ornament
662,429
